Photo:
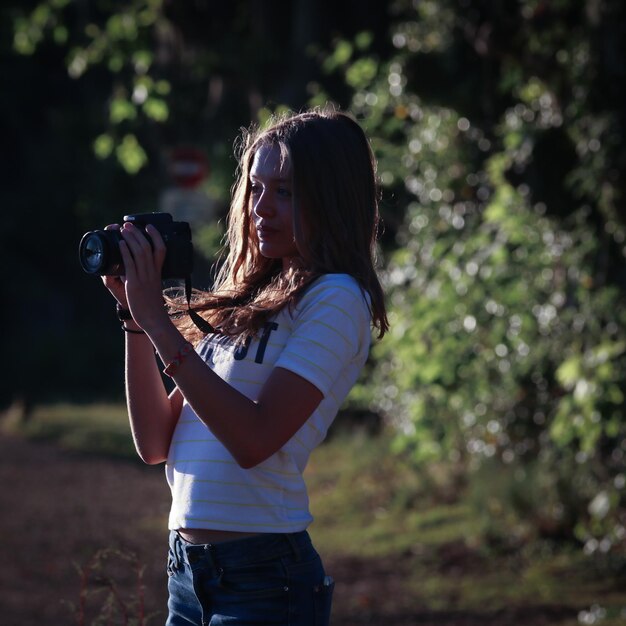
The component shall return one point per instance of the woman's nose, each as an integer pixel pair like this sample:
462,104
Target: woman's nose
263,206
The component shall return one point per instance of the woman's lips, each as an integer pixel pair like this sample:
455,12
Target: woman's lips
265,231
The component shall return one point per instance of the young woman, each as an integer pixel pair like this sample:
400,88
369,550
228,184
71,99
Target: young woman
292,310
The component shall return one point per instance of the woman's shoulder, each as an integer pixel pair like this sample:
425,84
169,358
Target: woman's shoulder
336,288
337,282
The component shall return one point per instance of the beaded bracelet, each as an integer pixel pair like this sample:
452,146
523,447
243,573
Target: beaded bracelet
174,364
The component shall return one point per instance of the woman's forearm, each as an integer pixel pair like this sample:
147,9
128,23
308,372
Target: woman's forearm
152,413
231,416
251,431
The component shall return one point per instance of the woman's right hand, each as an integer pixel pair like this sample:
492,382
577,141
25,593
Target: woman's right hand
116,284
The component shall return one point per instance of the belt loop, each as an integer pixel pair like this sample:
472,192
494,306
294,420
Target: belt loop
294,545
178,550
209,549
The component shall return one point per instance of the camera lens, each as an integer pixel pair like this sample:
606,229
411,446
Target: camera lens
92,254
98,253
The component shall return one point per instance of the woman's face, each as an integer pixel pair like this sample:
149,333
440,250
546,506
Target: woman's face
271,203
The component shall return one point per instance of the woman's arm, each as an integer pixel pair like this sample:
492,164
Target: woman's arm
251,431
242,425
152,413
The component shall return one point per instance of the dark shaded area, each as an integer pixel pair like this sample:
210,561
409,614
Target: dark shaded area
223,62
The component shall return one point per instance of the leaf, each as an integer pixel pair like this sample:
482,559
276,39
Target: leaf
131,155
121,110
156,109
569,372
103,146
361,73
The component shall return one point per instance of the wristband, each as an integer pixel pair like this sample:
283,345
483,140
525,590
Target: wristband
133,332
174,364
123,315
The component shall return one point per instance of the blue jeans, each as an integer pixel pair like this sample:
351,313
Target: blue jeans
269,579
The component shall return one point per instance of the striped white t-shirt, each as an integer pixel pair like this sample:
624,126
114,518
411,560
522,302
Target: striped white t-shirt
325,340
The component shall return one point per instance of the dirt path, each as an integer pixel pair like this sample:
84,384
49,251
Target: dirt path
58,509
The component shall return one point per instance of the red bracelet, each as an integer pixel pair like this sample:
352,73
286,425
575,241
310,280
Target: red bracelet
174,364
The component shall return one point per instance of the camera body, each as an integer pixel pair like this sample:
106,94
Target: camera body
99,250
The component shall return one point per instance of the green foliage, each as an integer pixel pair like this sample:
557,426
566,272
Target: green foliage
121,41
507,348
130,154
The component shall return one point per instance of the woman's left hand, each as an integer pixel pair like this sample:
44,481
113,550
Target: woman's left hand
143,264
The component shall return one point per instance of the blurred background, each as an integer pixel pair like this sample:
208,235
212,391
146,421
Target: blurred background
499,129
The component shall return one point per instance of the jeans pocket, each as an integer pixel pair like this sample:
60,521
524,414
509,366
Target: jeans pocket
173,560
171,564
258,581
323,600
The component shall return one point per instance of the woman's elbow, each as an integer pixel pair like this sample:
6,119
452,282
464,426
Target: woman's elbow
247,462
150,457
153,460
249,459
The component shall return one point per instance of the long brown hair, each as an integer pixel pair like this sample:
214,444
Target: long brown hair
335,203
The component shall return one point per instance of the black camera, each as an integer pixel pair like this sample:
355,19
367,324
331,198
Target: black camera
99,250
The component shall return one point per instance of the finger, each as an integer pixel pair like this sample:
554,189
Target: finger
139,248
116,286
150,252
134,237
130,267
137,240
158,246
113,282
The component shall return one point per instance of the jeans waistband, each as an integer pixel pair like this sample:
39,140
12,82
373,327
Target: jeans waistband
240,552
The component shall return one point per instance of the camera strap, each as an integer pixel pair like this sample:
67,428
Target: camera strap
198,320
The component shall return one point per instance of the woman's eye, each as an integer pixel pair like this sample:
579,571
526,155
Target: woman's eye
255,188
283,191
